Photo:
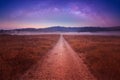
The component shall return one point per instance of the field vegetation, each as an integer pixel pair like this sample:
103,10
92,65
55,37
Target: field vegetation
20,53
100,53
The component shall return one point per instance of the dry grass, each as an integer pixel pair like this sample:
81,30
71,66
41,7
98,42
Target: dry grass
19,53
102,54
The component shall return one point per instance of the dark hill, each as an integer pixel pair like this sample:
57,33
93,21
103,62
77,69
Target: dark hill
64,29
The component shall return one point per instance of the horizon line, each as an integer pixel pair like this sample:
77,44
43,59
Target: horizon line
61,26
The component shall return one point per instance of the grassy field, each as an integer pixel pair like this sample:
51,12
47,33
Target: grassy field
101,54
19,53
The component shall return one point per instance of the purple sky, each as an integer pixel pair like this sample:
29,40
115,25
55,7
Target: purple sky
69,13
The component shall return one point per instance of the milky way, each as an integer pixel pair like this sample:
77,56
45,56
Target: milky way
45,13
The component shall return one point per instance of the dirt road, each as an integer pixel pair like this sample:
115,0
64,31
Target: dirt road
61,63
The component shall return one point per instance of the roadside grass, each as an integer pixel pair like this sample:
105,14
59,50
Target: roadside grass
19,53
101,54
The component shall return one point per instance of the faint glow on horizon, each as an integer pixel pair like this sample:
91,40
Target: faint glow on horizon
14,25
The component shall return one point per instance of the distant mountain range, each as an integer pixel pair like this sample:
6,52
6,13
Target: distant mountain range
64,29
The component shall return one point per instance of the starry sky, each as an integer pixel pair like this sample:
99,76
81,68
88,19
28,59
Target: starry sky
69,13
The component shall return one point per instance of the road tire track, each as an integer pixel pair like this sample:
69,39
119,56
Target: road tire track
61,63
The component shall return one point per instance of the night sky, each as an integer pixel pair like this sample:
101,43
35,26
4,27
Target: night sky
69,13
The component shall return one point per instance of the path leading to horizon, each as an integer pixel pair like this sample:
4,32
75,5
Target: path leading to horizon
61,63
